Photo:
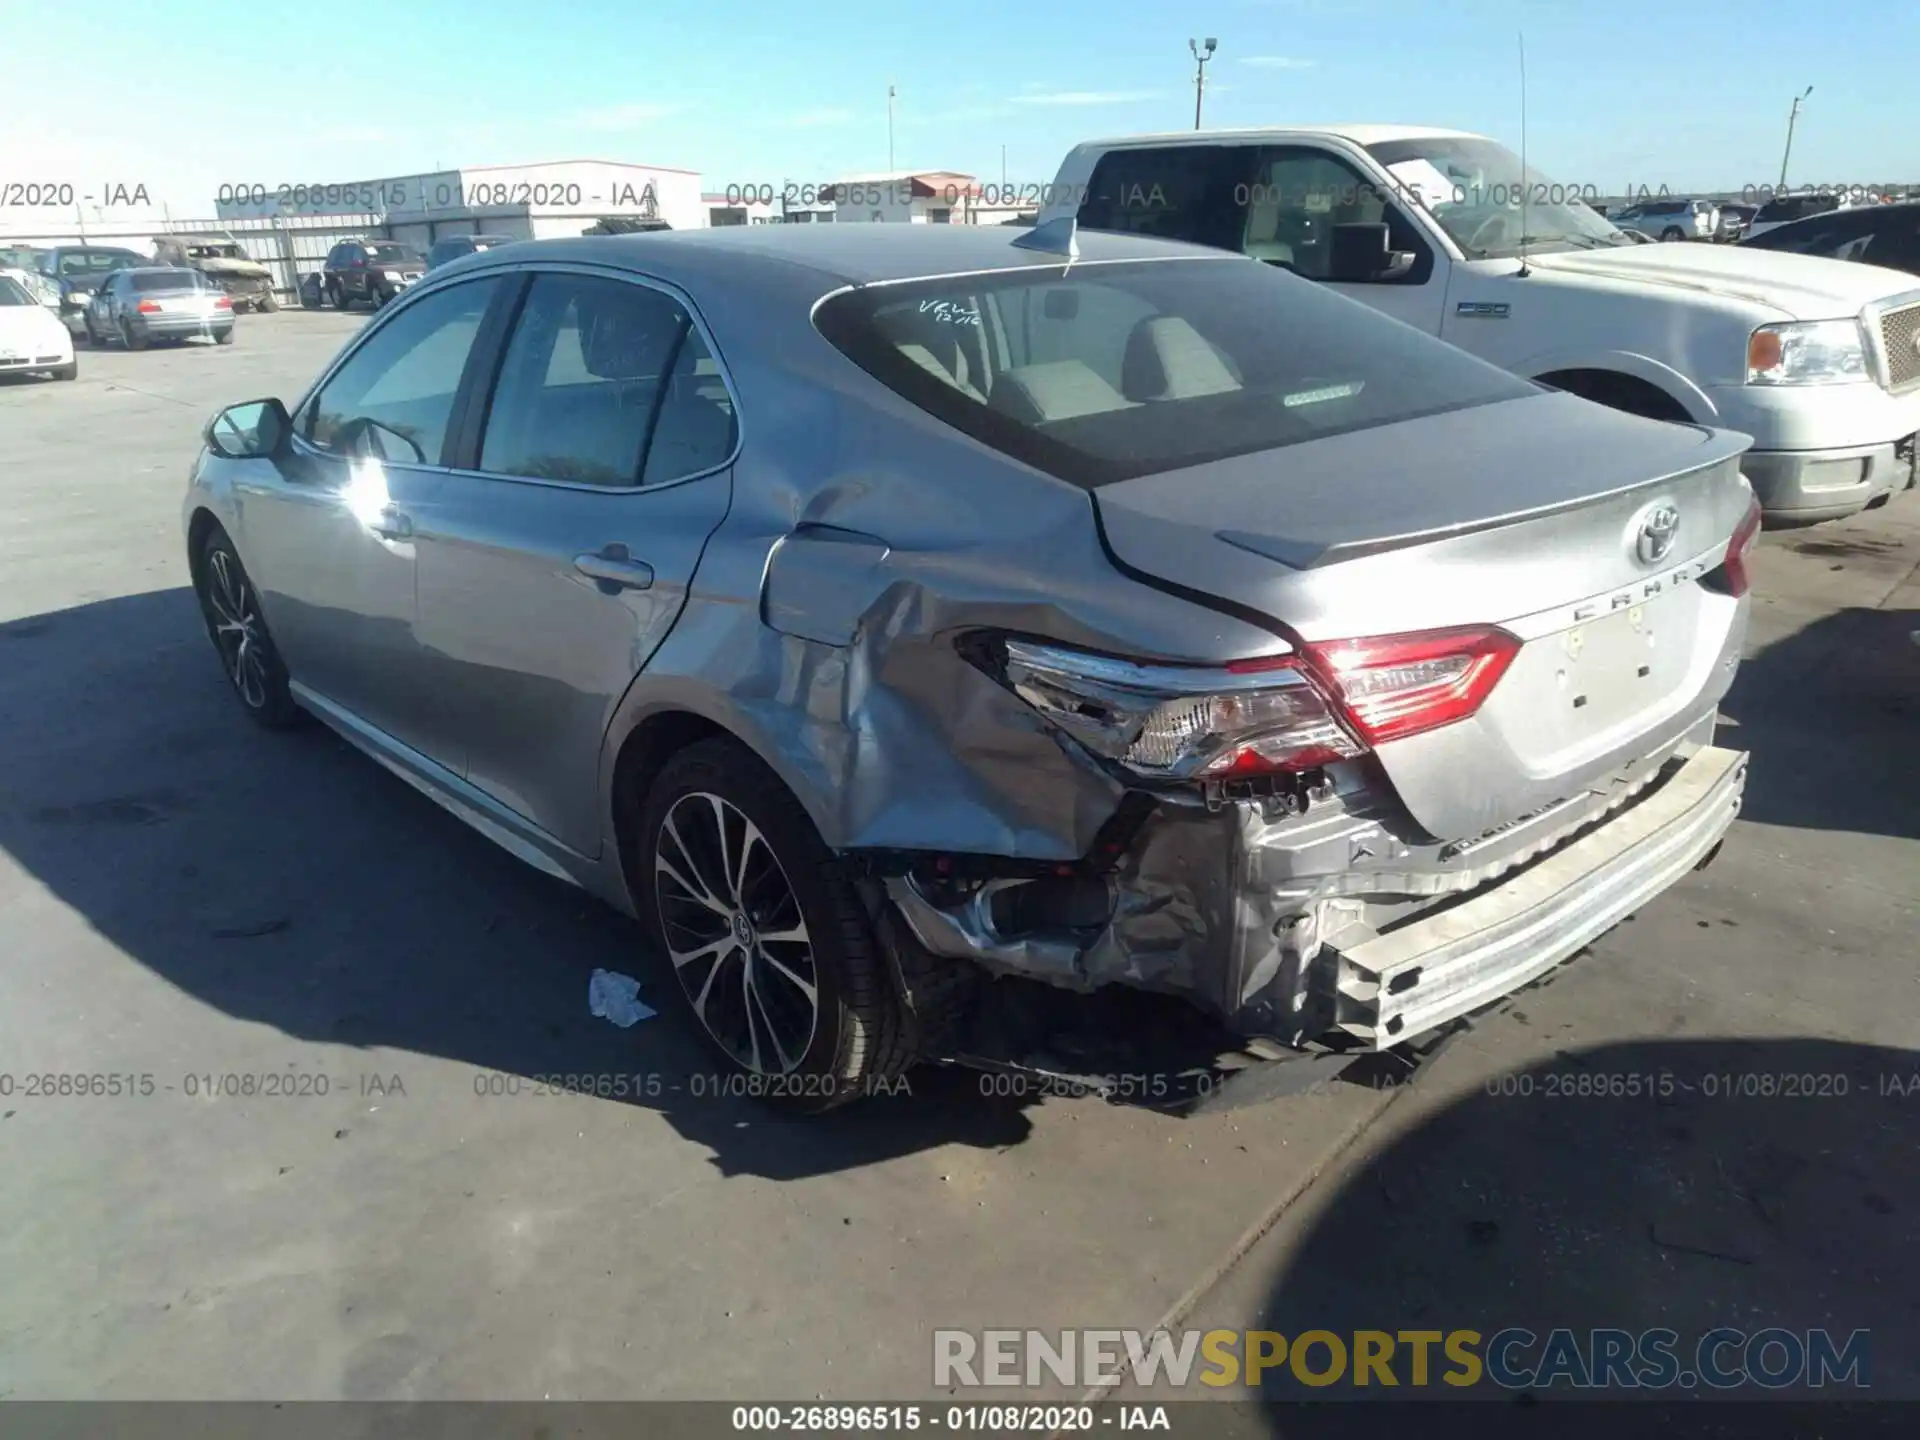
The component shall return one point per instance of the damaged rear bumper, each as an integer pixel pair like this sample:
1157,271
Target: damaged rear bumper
1326,920
1398,986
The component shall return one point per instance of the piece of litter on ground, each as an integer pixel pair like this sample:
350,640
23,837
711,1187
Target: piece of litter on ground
616,997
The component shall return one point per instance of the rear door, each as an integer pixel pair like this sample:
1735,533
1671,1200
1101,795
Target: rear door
559,552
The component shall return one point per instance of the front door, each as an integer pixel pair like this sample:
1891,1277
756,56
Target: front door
326,531
553,566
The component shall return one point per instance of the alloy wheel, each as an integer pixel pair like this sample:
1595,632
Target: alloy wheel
236,628
736,933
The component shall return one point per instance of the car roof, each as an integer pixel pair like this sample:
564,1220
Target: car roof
832,256
1359,134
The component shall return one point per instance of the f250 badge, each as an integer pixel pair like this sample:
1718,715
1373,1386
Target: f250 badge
1483,309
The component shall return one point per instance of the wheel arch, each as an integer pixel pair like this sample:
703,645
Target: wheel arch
1611,377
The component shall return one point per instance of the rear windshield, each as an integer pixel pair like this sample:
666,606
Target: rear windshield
165,280
392,255
1103,372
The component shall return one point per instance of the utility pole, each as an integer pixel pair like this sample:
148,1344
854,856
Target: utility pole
1201,54
890,93
1792,115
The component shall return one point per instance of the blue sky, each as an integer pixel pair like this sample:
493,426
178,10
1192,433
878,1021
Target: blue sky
182,95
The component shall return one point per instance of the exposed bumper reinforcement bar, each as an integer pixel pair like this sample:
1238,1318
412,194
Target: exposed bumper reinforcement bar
1395,987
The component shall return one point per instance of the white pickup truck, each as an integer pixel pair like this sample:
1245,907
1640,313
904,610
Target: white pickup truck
1817,360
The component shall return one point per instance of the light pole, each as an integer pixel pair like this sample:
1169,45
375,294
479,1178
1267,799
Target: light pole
889,129
1792,115
1201,54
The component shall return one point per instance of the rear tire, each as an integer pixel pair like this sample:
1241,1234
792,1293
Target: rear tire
130,339
1672,233
223,337
231,608
767,936
339,297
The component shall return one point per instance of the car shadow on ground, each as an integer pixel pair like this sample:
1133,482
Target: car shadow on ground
1831,715
1682,1184
288,880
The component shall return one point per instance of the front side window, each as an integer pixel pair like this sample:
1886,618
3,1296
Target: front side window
1295,198
394,395
1103,372
1177,192
605,382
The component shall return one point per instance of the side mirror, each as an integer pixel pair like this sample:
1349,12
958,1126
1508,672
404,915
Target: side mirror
253,429
1360,252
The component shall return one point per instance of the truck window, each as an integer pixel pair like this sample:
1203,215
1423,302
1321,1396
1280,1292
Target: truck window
1177,192
1293,199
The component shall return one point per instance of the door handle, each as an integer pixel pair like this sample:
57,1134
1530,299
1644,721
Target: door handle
613,566
393,525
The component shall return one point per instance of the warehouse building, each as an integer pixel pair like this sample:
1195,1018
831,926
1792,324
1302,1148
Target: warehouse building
528,202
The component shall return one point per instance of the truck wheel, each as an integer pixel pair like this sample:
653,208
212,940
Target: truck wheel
1672,232
768,938
269,302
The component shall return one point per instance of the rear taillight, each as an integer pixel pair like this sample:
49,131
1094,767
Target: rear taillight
1732,571
1394,686
148,307
1253,717
223,303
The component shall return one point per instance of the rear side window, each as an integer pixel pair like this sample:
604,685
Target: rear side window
394,395
1100,373
605,382
1180,192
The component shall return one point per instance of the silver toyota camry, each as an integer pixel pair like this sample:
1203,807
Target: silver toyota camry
896,619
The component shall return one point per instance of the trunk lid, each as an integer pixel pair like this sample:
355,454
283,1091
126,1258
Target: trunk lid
1527,514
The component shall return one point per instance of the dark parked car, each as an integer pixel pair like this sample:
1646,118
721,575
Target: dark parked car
371,270
1887,235
137,307
454,246
79,270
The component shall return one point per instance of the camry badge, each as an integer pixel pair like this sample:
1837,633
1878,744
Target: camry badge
1658,527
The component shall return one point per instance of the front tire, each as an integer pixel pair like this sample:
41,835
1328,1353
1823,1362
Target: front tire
767,936
68,371
340,300
1672,233
231,608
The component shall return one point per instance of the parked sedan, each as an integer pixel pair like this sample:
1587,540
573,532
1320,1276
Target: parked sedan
137,307
32,340
911,624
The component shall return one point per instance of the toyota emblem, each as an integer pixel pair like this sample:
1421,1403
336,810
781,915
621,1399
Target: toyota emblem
1658,527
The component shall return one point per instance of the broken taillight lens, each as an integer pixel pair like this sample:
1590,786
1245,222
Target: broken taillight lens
1181,722
1250,717
1394,686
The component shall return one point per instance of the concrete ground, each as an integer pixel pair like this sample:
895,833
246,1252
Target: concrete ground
185,898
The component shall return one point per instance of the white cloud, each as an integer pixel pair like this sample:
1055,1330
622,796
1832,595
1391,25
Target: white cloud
1276,62
1086,97
811,118
621,117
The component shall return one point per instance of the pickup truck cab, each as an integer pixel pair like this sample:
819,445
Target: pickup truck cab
1817,360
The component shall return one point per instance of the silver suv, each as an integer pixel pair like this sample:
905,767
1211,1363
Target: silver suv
1670,219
